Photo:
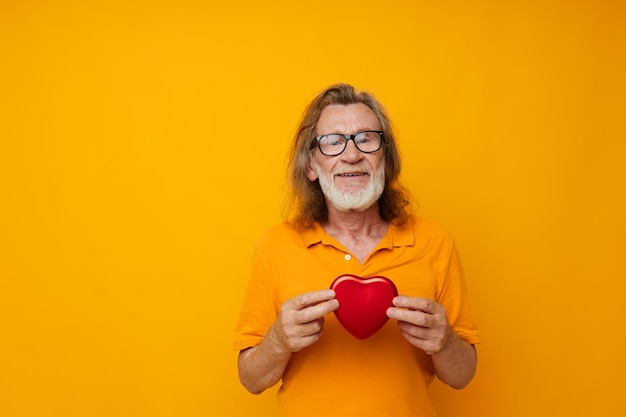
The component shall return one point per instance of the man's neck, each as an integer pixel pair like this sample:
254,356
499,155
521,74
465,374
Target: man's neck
359,232
356,224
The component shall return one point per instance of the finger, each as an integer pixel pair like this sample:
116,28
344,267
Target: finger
416,303
419,341
311,328
429,340
312,298
305,341
418,332
413,317
302,336
317,311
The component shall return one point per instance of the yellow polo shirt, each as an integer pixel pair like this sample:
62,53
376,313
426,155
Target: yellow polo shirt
340,375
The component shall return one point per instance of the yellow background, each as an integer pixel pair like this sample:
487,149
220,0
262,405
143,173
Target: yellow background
142,152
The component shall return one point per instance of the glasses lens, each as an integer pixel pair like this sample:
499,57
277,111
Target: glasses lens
368,141
335,144
332,144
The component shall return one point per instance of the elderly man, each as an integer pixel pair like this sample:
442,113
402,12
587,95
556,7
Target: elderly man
351,216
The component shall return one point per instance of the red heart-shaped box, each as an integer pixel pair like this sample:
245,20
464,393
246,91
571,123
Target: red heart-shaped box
363,303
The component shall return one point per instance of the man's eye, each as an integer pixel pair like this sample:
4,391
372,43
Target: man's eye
334,141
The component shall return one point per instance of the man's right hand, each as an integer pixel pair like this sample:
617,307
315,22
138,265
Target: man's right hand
301,320
299,324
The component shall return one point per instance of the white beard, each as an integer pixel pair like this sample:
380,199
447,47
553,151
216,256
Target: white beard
357,198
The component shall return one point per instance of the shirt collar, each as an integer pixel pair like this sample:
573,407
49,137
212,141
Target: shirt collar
395,236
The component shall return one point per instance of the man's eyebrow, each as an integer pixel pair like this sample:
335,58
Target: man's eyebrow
364,129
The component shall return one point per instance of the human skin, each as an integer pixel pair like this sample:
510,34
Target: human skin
300,323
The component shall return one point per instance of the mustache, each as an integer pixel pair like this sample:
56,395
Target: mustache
353,170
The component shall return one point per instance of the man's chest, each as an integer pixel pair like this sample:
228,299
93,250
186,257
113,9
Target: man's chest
316,268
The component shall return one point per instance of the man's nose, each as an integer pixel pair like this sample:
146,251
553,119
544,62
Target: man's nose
352,153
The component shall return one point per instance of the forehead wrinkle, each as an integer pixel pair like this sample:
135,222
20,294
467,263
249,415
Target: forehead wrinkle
347,119
351,131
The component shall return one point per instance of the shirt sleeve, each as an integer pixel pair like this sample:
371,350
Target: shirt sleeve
258,311
452,292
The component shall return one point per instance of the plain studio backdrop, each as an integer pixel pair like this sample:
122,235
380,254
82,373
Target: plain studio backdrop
143,148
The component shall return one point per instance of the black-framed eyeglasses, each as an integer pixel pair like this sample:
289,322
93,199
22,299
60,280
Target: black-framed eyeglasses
334,144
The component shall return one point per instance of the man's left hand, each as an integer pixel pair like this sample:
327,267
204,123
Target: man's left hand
423,322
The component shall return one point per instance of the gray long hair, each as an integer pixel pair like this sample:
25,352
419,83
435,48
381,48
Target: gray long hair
306,204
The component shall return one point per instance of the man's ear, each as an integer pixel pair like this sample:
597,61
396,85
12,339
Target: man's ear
310,171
